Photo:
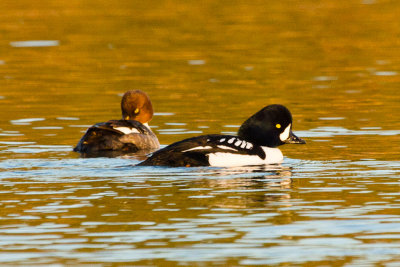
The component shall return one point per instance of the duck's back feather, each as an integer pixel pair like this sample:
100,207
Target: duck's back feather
122,135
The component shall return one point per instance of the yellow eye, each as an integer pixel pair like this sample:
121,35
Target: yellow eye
278,126
136,111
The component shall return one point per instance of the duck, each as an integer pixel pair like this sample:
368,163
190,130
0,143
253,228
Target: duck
130,134
256,143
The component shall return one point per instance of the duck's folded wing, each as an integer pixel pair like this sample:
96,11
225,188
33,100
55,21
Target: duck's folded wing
195,151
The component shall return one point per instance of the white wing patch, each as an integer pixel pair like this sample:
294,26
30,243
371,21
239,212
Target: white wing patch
224,159
227,147
285,134
236,142
127,130
197,148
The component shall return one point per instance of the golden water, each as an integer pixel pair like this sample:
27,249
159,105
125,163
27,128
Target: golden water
207,66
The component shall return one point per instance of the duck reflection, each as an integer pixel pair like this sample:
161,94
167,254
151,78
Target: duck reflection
242,187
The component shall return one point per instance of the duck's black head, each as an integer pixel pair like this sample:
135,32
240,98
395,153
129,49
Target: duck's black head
271,126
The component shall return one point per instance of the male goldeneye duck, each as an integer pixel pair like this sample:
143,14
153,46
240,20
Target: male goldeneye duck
130,134
256,144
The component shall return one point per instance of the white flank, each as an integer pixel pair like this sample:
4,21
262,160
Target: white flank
249,145
274,155
285,135
126,130
222,140
226,147
223,159
146,124
197,148
243,144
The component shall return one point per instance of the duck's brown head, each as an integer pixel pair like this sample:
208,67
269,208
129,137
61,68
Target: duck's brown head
136,105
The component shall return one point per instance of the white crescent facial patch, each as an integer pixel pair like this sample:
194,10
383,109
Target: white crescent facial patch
285,134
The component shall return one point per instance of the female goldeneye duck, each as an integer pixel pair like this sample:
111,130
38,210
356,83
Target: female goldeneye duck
130,134
256,144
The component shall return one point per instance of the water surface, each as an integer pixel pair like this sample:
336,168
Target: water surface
207,66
